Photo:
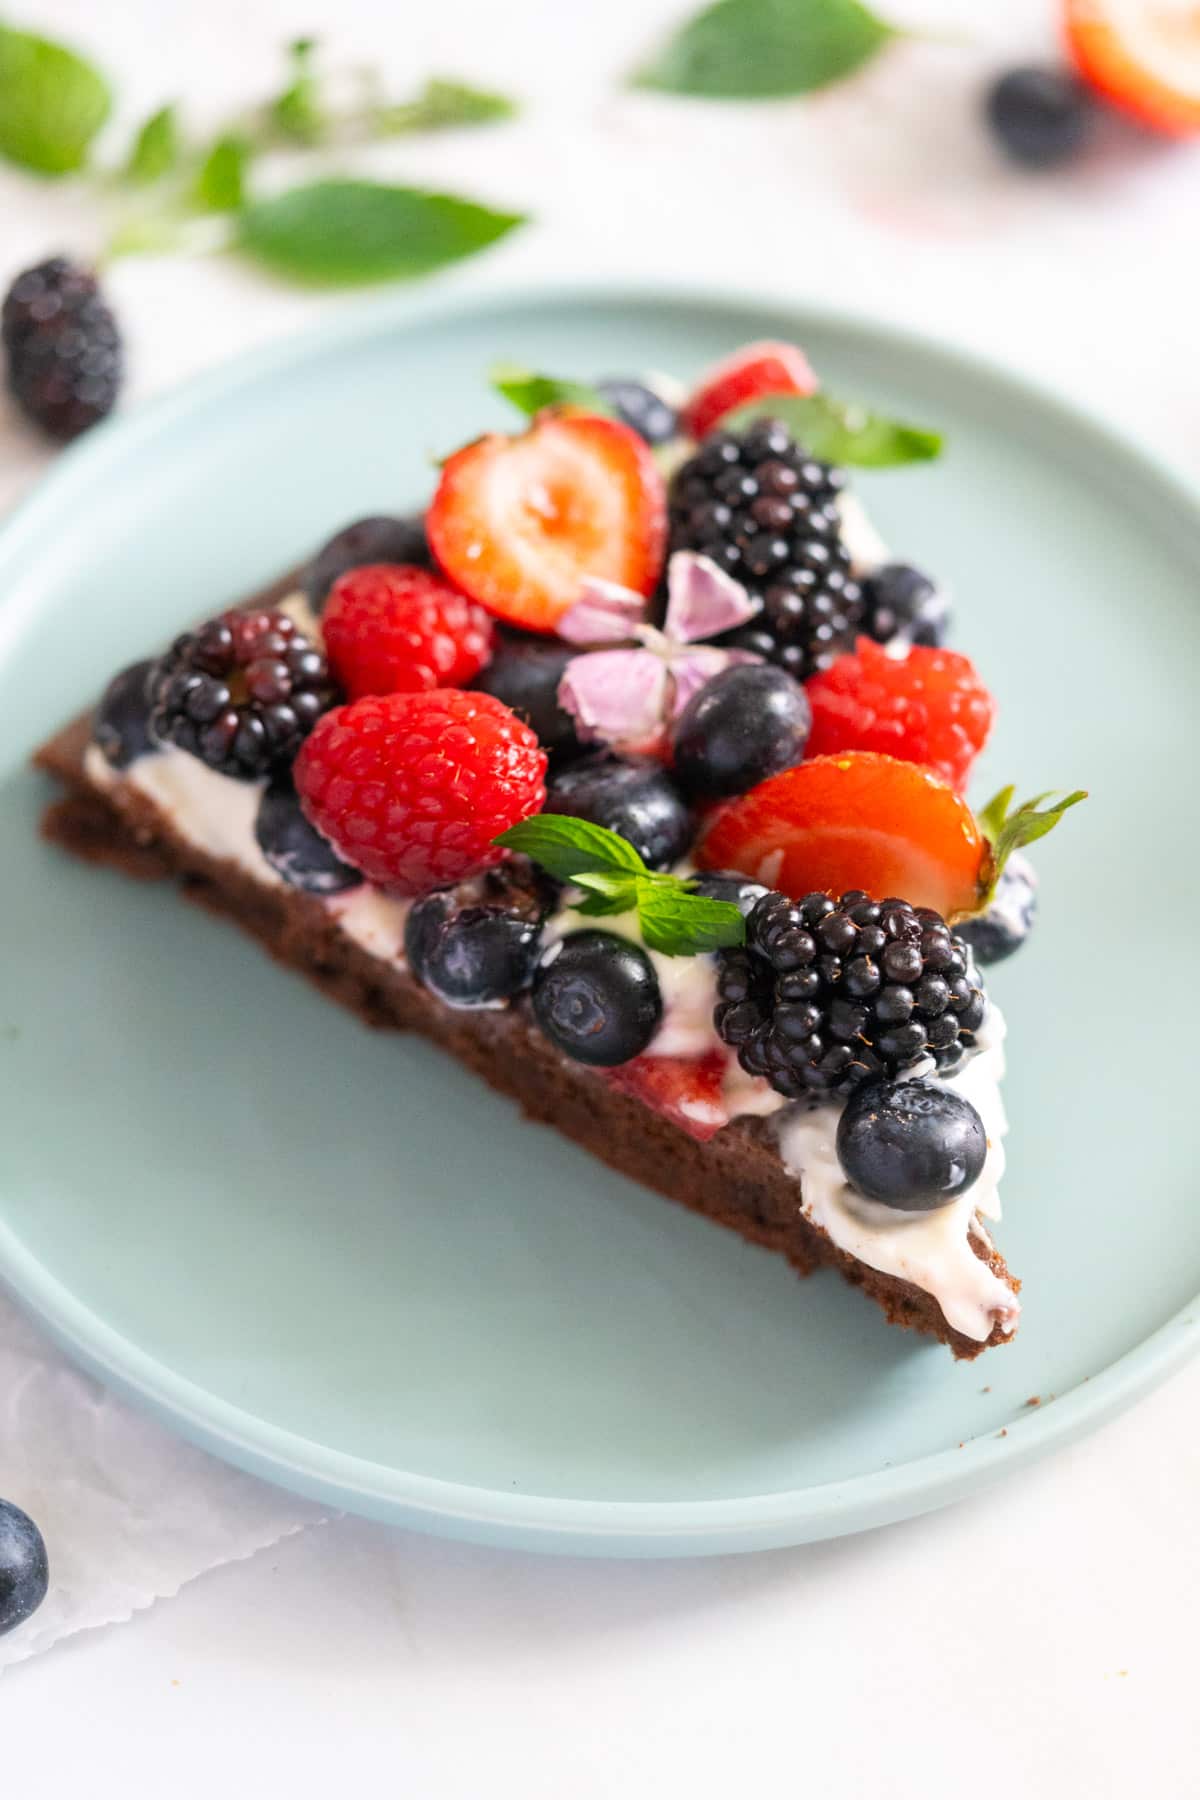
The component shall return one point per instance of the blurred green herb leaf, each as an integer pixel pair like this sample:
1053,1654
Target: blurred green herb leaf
221,179
531,392
840,431
156,148
52,103
765,49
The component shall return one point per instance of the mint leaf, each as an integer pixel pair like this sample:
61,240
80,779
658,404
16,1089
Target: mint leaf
221,181
340,233
840,431
604,893
297,113
442,106
570,848
155,149
1007,828
52,103
532,392
765,49
679,923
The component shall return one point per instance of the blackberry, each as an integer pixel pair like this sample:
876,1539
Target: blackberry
241,693
904,606
64,349
767,513
827,994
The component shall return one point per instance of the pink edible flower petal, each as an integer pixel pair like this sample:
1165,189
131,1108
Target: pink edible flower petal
702,600
605,613
618,695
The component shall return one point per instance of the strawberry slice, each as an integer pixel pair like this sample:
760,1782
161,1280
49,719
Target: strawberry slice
686,1090
518,522
752,373
858,820
1143,58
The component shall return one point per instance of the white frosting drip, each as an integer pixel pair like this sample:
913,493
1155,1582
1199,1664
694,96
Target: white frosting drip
932,1250
213,812
373,919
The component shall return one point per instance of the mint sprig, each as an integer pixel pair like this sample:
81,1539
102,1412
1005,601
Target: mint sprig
52,103
671,917
1007,827
765,49
532,392
840,431
156,148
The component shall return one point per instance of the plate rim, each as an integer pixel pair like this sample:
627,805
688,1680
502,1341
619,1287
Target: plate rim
532,1521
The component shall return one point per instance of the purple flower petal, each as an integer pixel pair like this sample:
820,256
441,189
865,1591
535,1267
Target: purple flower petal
703,600
605,613
618,695
693,669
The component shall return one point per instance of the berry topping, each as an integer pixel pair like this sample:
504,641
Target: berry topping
928,707
911,1145
412,788
395,629
294,849
858,820
24,1569
827,995
636,799
751,373
766,512
525,673
64,350
1040,116
903,606
687,1090
378,539
597,998
745,724
122,723
241,693
519,522
1144,59
472,955
1008,918
639,407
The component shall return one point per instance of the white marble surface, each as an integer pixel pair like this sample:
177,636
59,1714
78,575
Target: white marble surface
1041,1637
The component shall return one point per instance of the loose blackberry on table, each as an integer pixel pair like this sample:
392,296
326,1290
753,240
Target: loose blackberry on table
65,358
241,693
828,994
767,513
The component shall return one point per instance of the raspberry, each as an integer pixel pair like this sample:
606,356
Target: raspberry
391,628
412,788
927,707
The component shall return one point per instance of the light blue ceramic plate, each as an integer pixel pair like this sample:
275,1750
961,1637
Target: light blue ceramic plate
334,1258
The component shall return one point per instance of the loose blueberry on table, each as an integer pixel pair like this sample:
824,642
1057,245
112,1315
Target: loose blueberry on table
668,772
24,1567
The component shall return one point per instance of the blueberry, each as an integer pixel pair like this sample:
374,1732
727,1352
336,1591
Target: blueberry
24,1569
294,848
1040,116
635,798
471,955
910,1145
379,539
525,673
906,606
725,884
122,723
1009,917
597,997
747,723
639,407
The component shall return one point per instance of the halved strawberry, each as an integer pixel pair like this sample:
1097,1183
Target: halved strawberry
859,820
686,1090
518,522
751,373
1144,58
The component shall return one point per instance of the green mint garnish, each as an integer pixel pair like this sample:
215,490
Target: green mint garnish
531,392
52,103
442,106
297,114
765,49
671,917
341,233
1008,828
155,149
221,179
842,432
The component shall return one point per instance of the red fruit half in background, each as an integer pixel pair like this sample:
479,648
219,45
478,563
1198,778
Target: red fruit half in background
752,373
1142,55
